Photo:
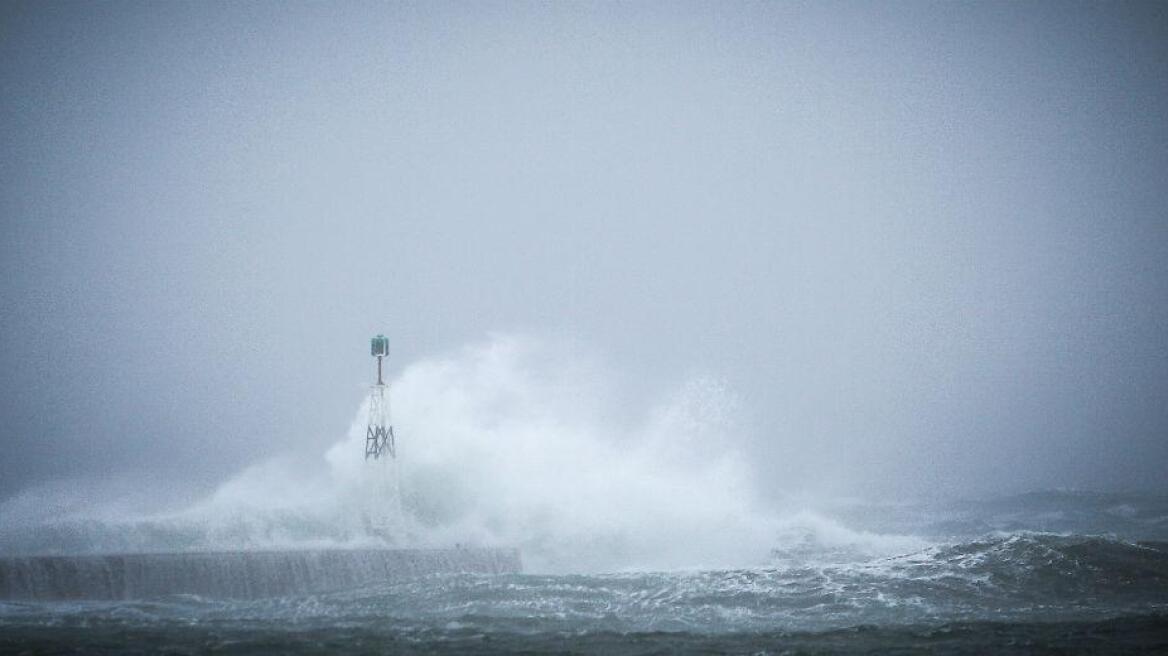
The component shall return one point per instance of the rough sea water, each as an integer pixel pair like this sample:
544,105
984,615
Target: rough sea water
1000,593
630,545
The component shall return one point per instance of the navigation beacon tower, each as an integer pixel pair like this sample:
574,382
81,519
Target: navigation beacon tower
379,440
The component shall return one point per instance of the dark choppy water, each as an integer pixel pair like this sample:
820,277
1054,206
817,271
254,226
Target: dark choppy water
1051,573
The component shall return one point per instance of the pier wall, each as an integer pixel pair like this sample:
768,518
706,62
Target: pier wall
240,574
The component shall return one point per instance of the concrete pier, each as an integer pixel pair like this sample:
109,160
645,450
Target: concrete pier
236,574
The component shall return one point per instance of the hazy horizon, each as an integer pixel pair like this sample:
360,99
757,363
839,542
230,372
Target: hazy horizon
906,249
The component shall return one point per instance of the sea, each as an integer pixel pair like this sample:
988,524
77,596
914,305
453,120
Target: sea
1048,572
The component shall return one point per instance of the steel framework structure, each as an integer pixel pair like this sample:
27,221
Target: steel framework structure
379,439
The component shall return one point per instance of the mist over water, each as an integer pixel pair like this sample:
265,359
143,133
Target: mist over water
505,442
522,442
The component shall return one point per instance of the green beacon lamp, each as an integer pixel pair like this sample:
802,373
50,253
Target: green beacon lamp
380,348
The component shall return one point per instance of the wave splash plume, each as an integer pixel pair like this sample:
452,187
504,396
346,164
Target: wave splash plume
513,442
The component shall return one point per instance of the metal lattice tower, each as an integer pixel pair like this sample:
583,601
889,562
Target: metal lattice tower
379,440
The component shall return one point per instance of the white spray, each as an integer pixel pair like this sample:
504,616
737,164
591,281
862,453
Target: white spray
511,442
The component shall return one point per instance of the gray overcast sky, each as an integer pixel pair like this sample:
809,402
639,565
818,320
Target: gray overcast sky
926,243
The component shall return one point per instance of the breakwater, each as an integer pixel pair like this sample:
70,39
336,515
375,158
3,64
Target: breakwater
236,574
